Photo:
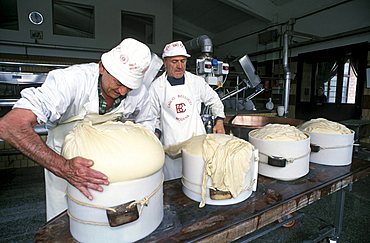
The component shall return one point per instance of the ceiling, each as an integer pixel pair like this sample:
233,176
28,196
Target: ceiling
222,20
215,18
208,15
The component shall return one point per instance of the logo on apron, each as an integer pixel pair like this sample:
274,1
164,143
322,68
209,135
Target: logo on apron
180,108
181,105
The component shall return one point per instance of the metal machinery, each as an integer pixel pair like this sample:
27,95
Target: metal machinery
215,73
13,80
11,83
211,69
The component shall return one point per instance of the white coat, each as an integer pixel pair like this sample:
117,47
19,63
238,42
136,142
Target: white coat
178,109
72,93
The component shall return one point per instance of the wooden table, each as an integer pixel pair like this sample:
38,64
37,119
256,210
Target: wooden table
185,221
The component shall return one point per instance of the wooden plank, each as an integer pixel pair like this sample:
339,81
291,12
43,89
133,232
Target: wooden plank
185,221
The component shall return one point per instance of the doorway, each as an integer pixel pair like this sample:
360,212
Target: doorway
330,83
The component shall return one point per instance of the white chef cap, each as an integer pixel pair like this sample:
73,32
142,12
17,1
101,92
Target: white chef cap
128,62
175,49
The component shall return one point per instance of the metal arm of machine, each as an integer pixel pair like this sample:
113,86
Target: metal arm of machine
234,92
255,94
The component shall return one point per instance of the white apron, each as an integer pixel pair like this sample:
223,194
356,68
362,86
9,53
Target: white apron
180,120
55,187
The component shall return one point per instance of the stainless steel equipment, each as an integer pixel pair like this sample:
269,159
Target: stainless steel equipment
22,78
13,82
212,70
247,66
215,72
287,74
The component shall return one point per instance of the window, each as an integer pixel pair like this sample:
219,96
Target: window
72,19
330,89
9,15
138,26
328,83
349,84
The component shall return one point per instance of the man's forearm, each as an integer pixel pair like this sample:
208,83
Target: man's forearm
16,129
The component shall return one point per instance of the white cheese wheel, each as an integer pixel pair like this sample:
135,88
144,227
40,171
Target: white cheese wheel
321,125
122,151
278,132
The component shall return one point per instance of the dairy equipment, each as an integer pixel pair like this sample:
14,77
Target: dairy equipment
215,73
247,66
287,75
252,82
13,81
211,69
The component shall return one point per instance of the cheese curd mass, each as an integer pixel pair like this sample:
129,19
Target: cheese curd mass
278,132
226,158
321,125
122,151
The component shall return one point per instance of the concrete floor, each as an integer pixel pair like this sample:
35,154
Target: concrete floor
356,220
22,204
22,211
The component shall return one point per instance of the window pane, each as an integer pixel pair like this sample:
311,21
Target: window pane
9,15
138,26
352,83
73,19
332,86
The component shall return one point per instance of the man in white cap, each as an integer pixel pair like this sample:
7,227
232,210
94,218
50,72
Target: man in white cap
176,98
112,86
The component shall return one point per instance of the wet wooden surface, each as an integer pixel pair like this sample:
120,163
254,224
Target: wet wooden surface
185,221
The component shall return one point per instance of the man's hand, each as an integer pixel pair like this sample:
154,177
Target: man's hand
219,126
78,173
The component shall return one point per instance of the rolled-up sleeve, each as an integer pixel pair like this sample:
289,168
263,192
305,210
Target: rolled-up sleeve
47,102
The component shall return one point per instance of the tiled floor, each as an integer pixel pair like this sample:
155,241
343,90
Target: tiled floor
22,211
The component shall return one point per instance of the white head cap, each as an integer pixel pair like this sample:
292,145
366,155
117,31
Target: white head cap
174,49
128,62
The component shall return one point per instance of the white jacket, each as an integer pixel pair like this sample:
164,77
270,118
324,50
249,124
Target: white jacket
69,93
74,91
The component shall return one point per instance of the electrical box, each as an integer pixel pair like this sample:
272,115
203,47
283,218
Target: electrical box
212,71
212,80
204,66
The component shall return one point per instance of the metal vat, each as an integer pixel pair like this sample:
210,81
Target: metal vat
241,125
